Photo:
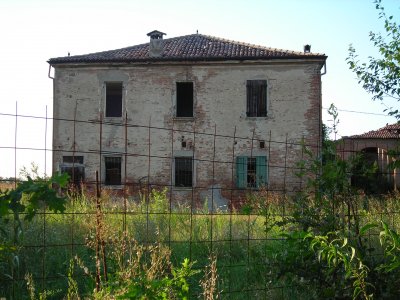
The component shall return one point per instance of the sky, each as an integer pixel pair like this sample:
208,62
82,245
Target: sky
32,31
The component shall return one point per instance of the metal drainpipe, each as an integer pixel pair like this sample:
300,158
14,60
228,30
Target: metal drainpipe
324,69
49,73
320,109
52,153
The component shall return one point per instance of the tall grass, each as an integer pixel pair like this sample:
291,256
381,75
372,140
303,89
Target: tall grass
244,244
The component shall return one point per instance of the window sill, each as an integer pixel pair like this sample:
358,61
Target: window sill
113,120
184,119
182,188
248,189
257,118
113,187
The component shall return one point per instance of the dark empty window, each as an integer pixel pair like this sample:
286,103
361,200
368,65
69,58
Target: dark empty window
184,99
256,98
73,159
113,170
114,99
251,172
183,171
73,166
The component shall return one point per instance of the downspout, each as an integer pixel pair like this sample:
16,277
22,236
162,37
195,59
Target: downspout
50,75
320,110
52,143
324,66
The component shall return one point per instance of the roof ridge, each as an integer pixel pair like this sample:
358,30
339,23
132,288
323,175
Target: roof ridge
193,47
254,45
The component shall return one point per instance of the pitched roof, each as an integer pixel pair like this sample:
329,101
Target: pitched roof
391,131
194,47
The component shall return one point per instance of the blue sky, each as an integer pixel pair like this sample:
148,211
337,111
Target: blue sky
32,31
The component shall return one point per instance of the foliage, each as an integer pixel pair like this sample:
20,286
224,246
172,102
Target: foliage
380,76
390,241
174,286
137,271
325,220
263,258
27,198
333,248
31,195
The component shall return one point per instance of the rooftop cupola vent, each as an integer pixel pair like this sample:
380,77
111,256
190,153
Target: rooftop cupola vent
156,45
156,35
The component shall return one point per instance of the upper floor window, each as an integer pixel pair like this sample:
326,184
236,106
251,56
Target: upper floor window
184,99
114,99
256,98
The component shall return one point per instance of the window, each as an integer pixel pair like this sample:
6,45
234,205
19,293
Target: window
73,166
183,171
184,99
114,99
256,98
251,172
73,159
113,170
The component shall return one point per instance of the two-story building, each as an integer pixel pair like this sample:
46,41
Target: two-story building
190,112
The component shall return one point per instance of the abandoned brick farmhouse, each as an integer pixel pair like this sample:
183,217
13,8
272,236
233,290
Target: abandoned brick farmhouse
189,112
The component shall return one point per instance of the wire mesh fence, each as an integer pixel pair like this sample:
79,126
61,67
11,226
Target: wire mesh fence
203,195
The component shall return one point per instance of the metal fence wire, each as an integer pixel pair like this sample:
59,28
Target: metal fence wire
228,206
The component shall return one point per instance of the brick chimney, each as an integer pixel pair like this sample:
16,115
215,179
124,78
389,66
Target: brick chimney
156,43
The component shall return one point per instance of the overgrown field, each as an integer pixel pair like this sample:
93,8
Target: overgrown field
273,248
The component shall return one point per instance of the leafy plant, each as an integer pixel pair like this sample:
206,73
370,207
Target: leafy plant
26,199
31,195
335,250
380,76
390,241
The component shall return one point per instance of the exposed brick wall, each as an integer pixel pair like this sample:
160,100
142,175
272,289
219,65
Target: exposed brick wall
294,112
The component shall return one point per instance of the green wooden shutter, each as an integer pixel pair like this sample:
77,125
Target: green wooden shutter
261,171
241,171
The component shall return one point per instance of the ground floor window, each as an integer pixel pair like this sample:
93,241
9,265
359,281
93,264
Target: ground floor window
112,170
183,171
251,172
73,166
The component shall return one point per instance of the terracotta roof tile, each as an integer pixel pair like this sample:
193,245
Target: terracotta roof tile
195,47
391,131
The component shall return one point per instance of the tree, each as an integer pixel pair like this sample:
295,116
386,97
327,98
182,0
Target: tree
380,76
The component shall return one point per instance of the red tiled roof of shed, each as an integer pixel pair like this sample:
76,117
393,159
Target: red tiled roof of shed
194,47
390,131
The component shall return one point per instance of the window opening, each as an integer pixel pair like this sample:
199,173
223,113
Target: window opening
256,98
73,159
113,170
251,172
183,171
114,99
184,99
73,166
